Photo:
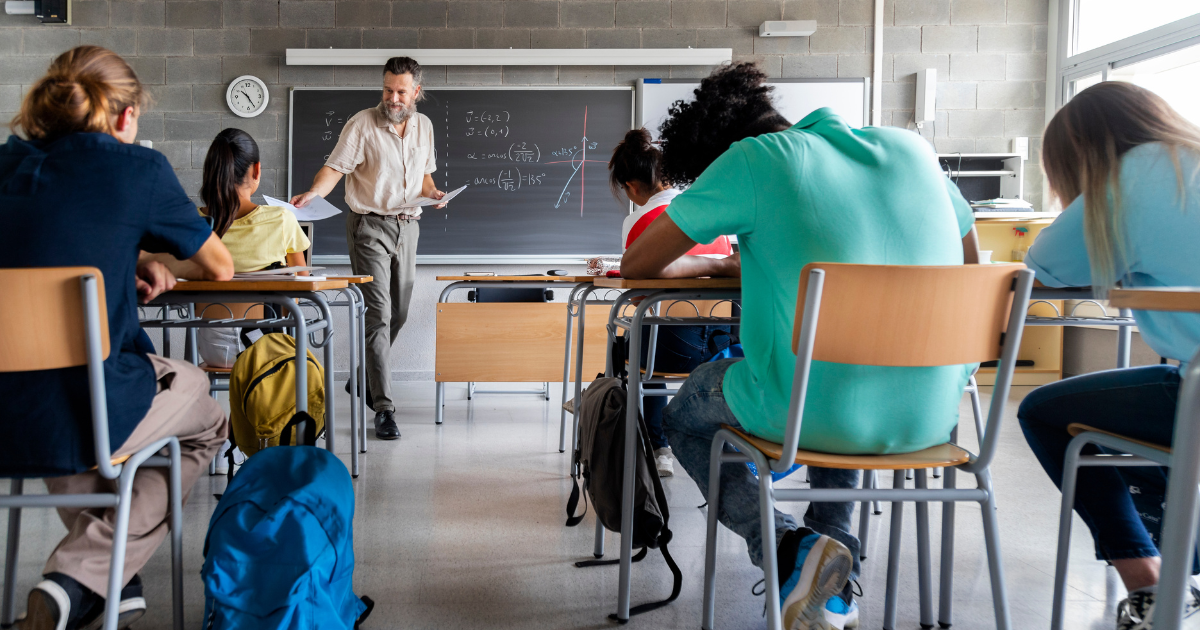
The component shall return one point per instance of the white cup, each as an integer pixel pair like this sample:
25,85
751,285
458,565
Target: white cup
985,256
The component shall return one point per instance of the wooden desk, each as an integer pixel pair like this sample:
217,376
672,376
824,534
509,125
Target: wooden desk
1179,299
670,283
231,286
283,293
571,279
353,279
508,342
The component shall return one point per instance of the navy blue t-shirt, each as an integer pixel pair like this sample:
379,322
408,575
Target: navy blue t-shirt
86,199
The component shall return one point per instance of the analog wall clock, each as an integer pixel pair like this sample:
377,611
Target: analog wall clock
247,96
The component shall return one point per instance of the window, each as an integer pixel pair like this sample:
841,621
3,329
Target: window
1152,43
1102,22
1173,76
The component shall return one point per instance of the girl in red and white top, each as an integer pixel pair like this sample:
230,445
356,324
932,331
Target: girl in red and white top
635,170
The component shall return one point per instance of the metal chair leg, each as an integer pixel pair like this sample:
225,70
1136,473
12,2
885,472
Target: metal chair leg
598,548
7,615
176,491
924,563
710,537
1070,477
770,561
893,568
946,574
116,569
991,536
973,389
864,516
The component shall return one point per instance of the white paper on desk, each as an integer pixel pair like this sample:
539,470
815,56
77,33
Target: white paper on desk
426,201
316,209
274,272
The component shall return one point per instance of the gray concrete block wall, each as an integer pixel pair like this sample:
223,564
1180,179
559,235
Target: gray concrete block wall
990,55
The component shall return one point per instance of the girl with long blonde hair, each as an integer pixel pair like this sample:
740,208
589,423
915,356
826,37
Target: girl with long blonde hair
1126,167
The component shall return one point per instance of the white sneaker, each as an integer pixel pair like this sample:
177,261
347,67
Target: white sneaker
662,461
1137,611
222,467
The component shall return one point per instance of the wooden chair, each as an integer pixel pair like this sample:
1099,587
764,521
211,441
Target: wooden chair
56,317
920,316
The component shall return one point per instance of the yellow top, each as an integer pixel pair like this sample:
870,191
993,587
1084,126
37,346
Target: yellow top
264,237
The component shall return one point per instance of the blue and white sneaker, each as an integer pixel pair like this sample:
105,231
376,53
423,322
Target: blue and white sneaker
840,615
813,569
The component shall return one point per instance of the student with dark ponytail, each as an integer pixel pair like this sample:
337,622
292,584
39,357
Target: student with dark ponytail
636,170
258,237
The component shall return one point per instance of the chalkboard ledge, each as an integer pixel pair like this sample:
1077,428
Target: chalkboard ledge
481,259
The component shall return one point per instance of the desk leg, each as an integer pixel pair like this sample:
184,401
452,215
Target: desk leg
579,339
330,400
362,369
562,425
301,338
627,485
355,418
1124,340
439,402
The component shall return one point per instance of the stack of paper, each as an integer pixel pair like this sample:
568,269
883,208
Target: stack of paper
285,273
315,210
1003,205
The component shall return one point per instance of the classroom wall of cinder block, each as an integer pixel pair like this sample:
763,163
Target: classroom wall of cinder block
990,56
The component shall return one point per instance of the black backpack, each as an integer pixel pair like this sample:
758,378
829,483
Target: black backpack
600,460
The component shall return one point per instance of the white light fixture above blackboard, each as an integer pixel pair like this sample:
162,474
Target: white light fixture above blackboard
513,56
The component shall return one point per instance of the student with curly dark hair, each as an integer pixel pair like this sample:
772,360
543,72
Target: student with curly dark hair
822,191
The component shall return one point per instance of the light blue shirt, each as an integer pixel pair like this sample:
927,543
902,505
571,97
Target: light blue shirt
1161,235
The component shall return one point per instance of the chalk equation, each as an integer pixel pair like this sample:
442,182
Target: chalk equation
511,180
526,152
488,132
488,117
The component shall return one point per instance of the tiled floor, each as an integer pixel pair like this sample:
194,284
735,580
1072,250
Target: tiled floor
461,526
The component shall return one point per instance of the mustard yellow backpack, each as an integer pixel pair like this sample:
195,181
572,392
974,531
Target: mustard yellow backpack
262,396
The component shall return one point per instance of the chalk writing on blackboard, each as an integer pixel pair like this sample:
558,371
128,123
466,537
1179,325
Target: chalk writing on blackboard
578,162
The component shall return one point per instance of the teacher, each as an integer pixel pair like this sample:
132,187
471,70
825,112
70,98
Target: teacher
387,155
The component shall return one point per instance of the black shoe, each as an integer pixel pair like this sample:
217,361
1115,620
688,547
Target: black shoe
56,603
385,426
370,402
132,607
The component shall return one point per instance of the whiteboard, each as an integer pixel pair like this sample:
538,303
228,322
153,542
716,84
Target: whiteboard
794,99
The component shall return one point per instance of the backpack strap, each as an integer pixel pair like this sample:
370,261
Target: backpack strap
664,536
573,502
637,557
310,430
370,604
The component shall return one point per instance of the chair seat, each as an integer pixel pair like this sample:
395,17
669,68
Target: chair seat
1076,428
216,370
938,456
668,374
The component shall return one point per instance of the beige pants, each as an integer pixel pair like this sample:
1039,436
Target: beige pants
182,408
386,249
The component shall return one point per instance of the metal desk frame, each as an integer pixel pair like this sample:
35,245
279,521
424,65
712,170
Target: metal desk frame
632,325
294,319
357,329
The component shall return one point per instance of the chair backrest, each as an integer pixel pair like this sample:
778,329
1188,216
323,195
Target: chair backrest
899,315
911,316
43,318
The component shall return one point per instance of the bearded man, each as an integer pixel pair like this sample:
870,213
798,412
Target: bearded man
387,155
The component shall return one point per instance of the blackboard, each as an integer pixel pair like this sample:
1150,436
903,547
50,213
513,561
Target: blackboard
535,160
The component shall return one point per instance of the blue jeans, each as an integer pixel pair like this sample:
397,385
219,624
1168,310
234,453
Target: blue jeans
679,349
694,417
1122,507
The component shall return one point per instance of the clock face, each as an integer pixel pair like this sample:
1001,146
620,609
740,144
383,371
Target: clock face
247,96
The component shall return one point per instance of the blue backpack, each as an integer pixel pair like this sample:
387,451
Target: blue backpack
280,547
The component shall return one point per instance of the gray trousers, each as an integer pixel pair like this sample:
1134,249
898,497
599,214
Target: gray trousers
385,248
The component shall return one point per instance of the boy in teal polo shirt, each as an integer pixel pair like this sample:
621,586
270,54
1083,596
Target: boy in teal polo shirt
818,191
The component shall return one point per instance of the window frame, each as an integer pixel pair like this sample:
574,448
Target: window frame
1161,40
